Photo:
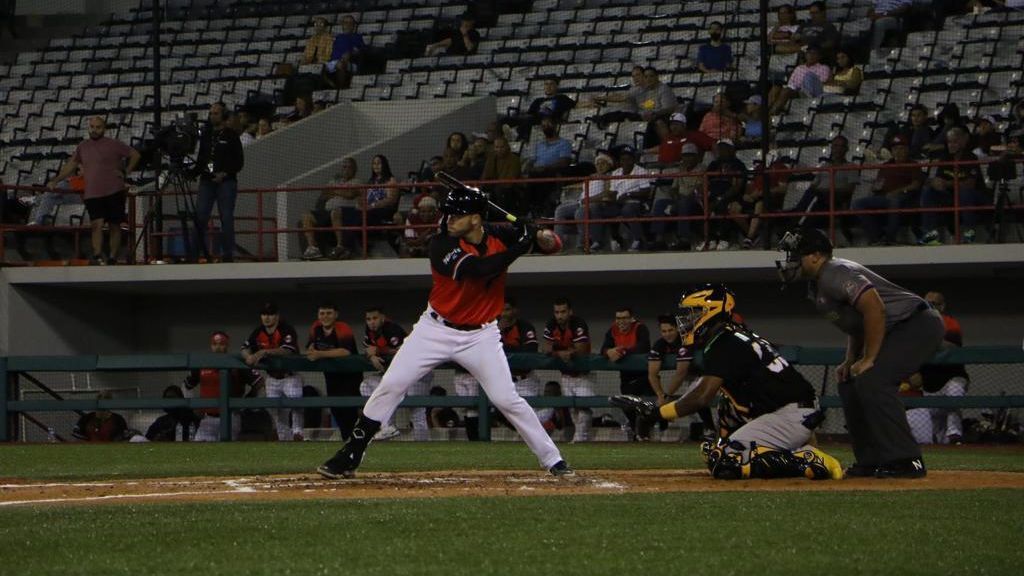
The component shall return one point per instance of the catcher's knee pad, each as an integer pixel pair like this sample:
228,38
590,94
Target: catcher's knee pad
725,460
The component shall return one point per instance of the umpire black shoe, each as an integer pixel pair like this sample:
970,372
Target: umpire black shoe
648,410
908,468
856,470
561,469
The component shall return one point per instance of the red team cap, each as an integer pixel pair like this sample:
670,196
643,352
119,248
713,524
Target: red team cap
219,337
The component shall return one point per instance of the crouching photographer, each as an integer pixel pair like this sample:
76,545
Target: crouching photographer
219,161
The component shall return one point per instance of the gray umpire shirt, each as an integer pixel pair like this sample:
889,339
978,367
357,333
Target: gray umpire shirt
842,282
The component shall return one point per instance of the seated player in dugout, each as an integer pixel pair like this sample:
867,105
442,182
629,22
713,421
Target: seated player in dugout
775,409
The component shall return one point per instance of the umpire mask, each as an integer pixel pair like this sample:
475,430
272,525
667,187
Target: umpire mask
797,243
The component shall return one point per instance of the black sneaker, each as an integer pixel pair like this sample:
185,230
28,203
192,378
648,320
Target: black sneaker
561,469
342,465
909,468
860,471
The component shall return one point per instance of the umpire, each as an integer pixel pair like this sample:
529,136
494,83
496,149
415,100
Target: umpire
891,333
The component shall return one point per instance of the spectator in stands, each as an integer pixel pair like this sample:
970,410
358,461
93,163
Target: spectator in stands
244,383
655,101
774,199
847,78
475,157
379,203
461,42
819,32
346,51
596,190
102,161
550,157
320,45
753,127
1017,116
745,214
420,225
886,17
303,109
726,184
553,104
631,197
628,336
221,159
782,36
328,212
945,181
629,99
807,79
816,197
245,127
332,338
101,425
716,55
896,187
668,146
264,127
721,123
917,132
458,143
274,337
177,425
949,117
503,164
682,198
44,204
985,136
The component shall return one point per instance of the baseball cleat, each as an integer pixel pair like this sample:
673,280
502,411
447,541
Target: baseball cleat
648,410
561,469
909,468
342,465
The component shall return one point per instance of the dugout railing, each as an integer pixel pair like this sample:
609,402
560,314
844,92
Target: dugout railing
17,373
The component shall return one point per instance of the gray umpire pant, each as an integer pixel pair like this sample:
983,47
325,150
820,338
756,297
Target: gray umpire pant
875,415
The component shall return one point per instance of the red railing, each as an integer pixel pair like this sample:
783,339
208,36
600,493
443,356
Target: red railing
265,225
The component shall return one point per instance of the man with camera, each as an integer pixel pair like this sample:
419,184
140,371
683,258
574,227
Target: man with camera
102,161
219,161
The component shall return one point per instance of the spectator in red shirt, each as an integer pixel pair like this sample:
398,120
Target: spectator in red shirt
896,187
420,225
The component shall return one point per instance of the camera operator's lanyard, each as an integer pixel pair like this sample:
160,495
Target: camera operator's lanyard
213,151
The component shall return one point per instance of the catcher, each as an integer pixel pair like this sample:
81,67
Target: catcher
772,406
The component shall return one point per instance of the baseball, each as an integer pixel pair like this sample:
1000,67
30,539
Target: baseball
548,242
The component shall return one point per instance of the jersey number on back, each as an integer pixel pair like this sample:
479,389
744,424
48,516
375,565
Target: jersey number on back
765,351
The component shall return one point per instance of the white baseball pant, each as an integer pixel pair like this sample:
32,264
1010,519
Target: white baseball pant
209,428
288,387
417,416
579,386
430,344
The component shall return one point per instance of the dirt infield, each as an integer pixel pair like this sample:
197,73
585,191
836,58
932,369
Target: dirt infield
445,484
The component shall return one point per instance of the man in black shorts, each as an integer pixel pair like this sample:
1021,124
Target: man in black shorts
102,162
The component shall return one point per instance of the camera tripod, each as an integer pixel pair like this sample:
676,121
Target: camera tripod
177,180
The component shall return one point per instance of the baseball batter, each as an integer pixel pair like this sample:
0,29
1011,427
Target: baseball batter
890,331
779,406
469,261
381,341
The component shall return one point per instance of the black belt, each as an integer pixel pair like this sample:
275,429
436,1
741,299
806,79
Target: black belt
454,326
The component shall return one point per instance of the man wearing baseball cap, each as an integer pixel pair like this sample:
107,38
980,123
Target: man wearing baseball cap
208,382
276,338
679,199
753,129
898,185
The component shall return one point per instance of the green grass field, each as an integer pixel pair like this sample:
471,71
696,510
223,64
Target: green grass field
934,532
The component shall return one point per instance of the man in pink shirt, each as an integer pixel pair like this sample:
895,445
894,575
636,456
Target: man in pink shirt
807,78
102,162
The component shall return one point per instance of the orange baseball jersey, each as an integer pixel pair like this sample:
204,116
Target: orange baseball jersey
462,298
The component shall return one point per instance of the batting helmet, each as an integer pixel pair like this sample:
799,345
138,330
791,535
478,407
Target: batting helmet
461,199
703,308
797,243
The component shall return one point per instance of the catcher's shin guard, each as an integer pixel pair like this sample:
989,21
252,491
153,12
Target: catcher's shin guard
344,463
732,461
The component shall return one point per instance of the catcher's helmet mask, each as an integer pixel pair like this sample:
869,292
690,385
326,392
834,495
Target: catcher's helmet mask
702,309
797,243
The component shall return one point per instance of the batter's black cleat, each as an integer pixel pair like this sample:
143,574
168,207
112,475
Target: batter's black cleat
648,410
860,471
908,468
342,465
561,470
